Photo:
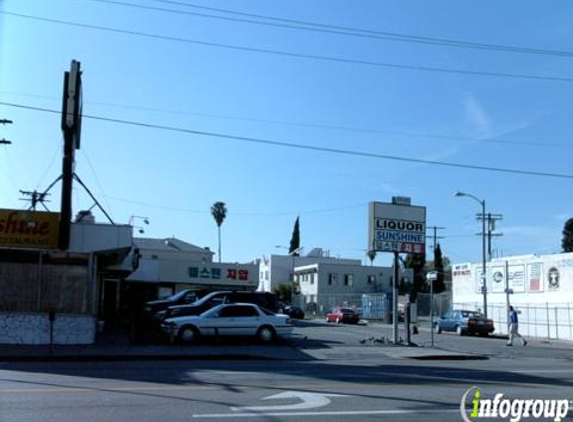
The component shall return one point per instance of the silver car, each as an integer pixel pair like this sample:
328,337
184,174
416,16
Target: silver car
232,319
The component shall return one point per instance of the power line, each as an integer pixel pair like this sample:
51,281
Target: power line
241,213
339,30
338,151
295,55
310,125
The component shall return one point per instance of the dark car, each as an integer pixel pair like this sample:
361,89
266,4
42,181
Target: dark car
342,314
267,301
464,322
182,298
295,312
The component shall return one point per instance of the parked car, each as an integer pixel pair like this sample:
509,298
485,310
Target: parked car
266,300
295,312
181,298
232,319
345,315
464,322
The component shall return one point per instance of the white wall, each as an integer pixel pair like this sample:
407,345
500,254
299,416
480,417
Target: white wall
87,238
28,328
546,306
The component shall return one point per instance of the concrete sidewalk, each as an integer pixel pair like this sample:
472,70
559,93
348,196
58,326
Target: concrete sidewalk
296,349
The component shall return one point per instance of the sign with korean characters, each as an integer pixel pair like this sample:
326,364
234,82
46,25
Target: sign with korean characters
223,274
29,229
396,228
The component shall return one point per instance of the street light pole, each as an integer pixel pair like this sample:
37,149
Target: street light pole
484,278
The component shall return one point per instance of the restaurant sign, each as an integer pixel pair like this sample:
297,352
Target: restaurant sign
29,229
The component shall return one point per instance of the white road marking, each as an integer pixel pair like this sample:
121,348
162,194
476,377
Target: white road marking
309,401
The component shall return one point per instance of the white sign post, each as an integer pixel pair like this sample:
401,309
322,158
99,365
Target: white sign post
398,228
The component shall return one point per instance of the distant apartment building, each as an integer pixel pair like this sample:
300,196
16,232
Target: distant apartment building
324,285
279,269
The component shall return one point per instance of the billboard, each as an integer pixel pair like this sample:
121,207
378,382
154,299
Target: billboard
396,228
28,229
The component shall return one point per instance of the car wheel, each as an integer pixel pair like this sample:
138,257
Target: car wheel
437,329
459,331
266,334
188,334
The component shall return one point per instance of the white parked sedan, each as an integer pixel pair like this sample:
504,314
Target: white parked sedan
231,319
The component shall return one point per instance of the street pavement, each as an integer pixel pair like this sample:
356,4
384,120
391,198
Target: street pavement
325,372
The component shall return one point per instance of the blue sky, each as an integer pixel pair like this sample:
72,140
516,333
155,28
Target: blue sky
173,178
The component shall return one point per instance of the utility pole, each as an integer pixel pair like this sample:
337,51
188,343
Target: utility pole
35,197
435,235
490,223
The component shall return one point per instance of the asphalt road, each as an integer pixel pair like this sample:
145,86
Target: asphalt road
342,387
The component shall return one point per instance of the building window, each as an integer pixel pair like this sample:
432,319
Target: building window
332,279
311,278
154,257
371,279
348,279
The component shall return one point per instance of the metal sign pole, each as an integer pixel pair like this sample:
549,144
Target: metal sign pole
395,297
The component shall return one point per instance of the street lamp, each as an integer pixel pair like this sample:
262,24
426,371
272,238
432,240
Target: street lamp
484,286
132,219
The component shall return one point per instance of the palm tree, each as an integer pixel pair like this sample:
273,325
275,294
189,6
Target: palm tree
219,213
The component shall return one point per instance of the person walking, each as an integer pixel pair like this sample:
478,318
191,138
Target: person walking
513,328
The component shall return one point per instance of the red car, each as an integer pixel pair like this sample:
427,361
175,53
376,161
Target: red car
346,315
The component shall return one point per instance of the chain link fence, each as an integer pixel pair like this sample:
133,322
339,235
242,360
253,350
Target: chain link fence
442,304
551,321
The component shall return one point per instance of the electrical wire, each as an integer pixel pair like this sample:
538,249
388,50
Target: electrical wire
339,30
260,141
310,125
97,181
293,54
241,213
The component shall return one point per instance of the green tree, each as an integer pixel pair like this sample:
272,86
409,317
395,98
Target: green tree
567,242
417,263
294,248
219,213
284,292
439,285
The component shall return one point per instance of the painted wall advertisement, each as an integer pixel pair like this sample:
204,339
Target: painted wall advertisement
397,228
29,229
498,279
535,277
516,278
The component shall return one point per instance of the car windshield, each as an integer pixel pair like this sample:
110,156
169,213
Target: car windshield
177,296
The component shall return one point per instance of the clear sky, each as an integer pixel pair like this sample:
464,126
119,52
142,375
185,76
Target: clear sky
190,70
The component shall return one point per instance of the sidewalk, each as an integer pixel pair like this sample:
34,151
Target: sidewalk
298,348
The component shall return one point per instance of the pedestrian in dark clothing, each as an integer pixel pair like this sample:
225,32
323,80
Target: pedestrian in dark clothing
513,328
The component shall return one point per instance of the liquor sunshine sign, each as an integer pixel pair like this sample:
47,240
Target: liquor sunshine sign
29,229
397,228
